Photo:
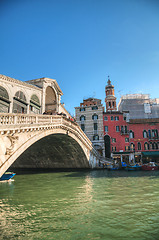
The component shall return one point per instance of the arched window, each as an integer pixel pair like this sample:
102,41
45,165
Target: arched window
131,134
156,133
139,146
153,133
149,134
145,134
4,100
50,100
155,145
83,127
34,104
19,103
95,117
132,147
96,137
82,118
146,146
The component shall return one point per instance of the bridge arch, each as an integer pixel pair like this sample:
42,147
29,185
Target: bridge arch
68,139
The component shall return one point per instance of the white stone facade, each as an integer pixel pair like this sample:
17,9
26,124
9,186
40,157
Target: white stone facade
89,116
31,97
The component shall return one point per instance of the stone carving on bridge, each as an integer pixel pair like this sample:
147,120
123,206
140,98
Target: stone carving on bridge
13,140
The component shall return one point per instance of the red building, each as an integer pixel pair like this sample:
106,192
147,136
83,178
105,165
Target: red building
128,139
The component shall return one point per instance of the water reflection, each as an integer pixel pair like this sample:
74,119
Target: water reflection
81,205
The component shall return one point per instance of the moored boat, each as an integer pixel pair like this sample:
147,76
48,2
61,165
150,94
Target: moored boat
151,166
7,176
133,167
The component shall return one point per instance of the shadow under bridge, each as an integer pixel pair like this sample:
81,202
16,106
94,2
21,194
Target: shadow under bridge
55,151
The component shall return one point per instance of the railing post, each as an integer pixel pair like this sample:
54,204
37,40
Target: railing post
15,119
36,119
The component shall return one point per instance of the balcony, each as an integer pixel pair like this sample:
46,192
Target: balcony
122,132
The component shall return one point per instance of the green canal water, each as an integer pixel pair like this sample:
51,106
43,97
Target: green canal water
81,205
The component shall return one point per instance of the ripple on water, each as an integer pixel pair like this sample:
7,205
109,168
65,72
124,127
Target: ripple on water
92,205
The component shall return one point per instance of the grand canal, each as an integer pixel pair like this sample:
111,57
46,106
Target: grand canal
81,205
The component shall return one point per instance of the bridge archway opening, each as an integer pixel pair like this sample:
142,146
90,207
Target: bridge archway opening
50,100
56,151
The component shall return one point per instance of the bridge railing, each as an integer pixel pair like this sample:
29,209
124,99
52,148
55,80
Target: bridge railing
10,121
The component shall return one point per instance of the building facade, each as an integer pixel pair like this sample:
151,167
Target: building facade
90,118
32,97
131,134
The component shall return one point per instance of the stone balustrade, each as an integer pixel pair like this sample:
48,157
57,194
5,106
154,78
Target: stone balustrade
10,122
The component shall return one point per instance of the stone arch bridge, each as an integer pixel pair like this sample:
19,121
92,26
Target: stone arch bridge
43,141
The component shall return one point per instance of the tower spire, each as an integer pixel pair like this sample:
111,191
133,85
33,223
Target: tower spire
110,99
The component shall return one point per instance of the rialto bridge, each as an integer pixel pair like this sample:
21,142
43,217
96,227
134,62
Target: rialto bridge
32,140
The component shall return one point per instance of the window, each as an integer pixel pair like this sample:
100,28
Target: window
82,118
145,135
96,137
95,117
116,118
126,139
95,126
94,107
117,128
105,118
139,146
152,146
112,118
124,118
106,128
156,133
82,109
113,149
83,127
131,134
146,146
153,133
149,134
113,140
132,146
127,148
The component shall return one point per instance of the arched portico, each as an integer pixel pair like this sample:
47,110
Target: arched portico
50,100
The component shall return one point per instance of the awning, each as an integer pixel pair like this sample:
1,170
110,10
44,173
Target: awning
150,153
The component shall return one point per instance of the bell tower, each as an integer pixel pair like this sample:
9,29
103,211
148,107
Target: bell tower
110,99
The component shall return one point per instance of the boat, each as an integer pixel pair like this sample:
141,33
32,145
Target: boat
112,167
7,176
133,167
151,166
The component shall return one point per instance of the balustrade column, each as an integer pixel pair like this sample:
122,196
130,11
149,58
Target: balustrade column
15,119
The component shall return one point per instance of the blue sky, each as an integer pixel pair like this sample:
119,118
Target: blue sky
80,42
